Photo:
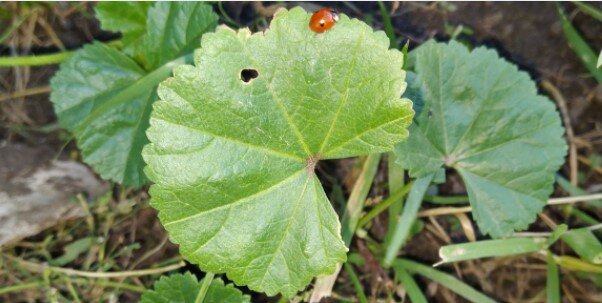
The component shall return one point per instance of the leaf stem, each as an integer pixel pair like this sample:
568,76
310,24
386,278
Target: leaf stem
204,287
26,92
36,60
380,207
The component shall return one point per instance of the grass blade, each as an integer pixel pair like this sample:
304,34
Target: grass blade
396,177
573,263
446,280
490,248
590,10
414,292
388,202
388,26
407,218
556,234
356,283
585,244
357,199
585,53
552,281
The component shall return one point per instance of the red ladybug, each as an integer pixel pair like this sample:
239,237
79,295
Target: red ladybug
323,20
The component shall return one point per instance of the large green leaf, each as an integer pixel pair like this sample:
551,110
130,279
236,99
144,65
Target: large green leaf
234,161
184,288
484,118
104,96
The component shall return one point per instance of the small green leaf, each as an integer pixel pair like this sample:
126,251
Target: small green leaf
233,157
491,126
104,96
183,288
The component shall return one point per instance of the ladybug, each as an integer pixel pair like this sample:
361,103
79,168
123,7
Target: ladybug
323,20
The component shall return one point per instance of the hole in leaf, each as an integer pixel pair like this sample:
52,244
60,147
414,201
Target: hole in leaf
246,75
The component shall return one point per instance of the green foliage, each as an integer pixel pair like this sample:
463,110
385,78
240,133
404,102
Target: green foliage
585,244
233,161
448,281
408,216
128,18
104,95
589,9
491,248
484,118
552,280
410,285
184,288
580,46
73,250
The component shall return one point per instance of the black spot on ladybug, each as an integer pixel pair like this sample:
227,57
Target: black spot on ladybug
246,75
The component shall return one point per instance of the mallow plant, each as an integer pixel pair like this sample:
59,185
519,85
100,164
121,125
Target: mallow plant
228,127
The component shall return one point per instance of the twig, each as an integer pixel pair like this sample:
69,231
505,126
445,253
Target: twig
467,227
569,129
566,200
25,93
37,267
439,211
458,210
52,34
595,227
150,253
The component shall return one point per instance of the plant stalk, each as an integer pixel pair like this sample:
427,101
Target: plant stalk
204,287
